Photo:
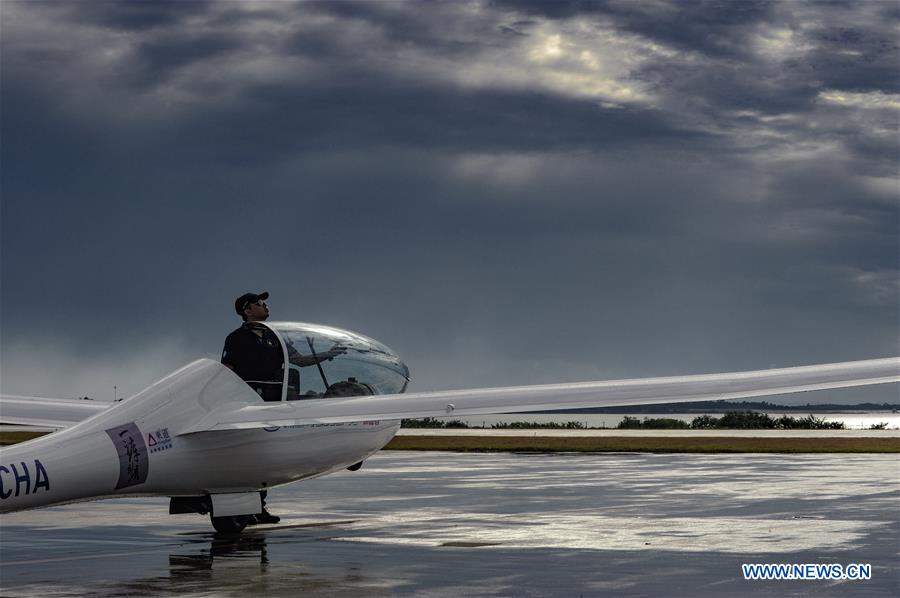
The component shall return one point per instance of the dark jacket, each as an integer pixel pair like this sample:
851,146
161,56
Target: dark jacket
254,357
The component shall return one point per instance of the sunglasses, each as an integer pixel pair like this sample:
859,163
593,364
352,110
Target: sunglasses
260,303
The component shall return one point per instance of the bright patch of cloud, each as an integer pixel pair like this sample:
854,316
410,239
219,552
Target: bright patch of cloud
780,43
874,100
581,60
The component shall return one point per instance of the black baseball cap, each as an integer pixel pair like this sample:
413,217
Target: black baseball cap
241,303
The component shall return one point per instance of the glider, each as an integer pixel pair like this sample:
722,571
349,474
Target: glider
203,437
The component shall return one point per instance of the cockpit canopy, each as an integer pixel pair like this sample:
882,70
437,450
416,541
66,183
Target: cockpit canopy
329,362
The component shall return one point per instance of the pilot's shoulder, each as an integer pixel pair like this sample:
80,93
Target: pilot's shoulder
236,334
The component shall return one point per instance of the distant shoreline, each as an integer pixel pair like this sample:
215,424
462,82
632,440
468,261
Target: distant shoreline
701,407
645,444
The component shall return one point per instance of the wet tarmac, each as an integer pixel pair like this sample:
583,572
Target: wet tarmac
450,524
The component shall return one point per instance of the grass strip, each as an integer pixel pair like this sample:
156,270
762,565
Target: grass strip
613,444
684,444
14,437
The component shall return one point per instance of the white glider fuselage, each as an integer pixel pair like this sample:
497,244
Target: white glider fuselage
136,448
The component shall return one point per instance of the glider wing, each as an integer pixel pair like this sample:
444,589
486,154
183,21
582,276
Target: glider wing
42,412
550,397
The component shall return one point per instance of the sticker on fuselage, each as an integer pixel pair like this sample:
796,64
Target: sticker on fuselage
159,440
132,450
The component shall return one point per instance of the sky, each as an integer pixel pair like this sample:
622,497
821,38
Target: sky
503,192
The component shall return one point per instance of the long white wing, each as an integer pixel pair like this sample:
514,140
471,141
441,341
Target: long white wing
47,413
554,396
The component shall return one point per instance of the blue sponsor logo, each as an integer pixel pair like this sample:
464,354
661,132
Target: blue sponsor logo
25,479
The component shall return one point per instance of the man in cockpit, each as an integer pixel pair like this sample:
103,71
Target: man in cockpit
253,351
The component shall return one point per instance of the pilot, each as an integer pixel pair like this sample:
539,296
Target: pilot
254,353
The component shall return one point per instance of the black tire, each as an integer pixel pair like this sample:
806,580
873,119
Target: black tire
229,525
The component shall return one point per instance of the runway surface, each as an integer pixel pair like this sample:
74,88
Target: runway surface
449,524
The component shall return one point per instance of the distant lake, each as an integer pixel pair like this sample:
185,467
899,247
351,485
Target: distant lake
852,421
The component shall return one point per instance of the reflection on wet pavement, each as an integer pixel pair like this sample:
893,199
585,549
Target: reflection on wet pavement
441,524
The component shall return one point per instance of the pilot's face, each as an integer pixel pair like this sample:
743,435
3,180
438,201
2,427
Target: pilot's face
257,312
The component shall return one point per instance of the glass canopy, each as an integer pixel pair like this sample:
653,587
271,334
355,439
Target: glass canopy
330,362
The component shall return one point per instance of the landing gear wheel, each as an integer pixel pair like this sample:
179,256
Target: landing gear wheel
229,525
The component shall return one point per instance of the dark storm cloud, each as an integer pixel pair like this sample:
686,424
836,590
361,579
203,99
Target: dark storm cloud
269,122
133,16
857,57
730,88
162,56
439,119
404,28
505,193
277,117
